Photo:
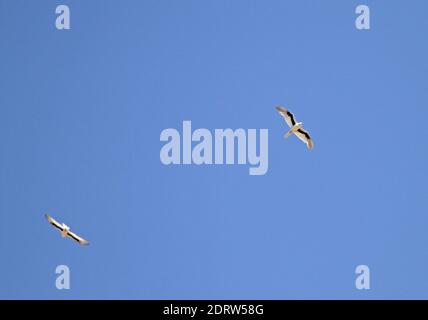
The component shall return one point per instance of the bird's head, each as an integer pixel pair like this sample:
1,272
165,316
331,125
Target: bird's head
65,227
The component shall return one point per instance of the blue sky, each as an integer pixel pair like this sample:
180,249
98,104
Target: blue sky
81,112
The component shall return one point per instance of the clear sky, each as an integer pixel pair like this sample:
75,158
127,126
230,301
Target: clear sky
81,112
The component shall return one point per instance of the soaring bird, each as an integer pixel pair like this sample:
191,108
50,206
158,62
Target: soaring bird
295,127
65,230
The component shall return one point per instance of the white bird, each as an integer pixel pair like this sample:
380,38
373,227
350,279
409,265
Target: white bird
65,230
295,127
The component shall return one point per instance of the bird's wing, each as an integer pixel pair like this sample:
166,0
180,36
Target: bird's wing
74,236
305,137
287,115
53,222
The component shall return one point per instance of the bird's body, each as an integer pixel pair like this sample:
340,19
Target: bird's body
295,127
65,230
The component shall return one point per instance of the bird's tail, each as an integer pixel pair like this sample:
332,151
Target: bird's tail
288,134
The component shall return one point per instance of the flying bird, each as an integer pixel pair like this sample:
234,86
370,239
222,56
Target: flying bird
295,127
65,230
